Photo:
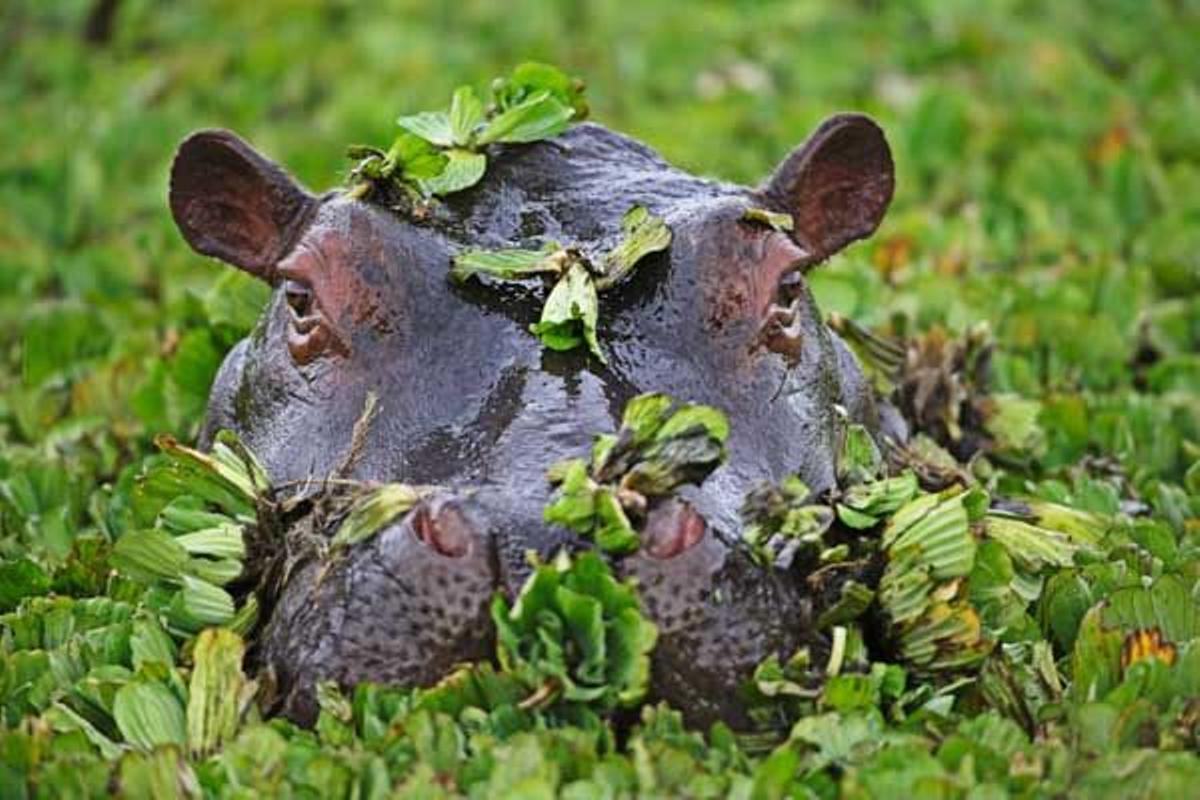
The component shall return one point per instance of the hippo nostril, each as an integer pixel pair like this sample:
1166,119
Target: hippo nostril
672,528
442,526
299,298
781,331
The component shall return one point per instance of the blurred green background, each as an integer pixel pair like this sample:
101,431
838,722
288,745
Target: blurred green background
1048,171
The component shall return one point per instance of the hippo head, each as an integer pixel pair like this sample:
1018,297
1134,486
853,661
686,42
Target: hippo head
468,400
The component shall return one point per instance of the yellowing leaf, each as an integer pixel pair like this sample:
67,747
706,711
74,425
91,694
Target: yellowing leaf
217,689
1145,644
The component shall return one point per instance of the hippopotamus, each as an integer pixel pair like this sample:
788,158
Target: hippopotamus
468,401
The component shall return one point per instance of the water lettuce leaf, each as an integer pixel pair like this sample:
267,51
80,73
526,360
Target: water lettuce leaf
570,314
642,233
510,265
217,693
148,714
532,78
432,126
539,116
465,116
863,505
576,634
374,509
462,170
412,158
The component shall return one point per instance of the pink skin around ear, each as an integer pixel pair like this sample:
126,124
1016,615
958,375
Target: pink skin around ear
837,186
232,203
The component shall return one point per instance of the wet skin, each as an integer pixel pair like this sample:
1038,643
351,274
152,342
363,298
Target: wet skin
469,400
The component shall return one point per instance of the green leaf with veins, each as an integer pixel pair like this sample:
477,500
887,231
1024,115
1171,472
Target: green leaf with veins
149,556
510,265
533,77
570,314
859,460
642,233
655,450
432,126
217,690
414,158
462,170
864,504
466,115
576,633
645,414
614,533
539,117
204,602
692,418
375,510
574,505
148,714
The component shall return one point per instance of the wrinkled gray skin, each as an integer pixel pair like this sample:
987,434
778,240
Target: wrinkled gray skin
470,401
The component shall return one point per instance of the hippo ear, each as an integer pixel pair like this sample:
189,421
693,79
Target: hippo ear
232,203
836,186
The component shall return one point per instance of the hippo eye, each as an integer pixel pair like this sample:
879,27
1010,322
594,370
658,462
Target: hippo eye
299,298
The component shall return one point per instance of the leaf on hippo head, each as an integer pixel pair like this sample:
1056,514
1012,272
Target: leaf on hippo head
644,415
658,448
583,506
642,233
510,265
686,449
574,506
695,419
466,115
570,314
432,126
540,116
614,533
413,158
462,170
533,77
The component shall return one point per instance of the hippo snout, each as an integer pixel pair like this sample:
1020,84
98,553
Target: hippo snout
410,603
403,607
